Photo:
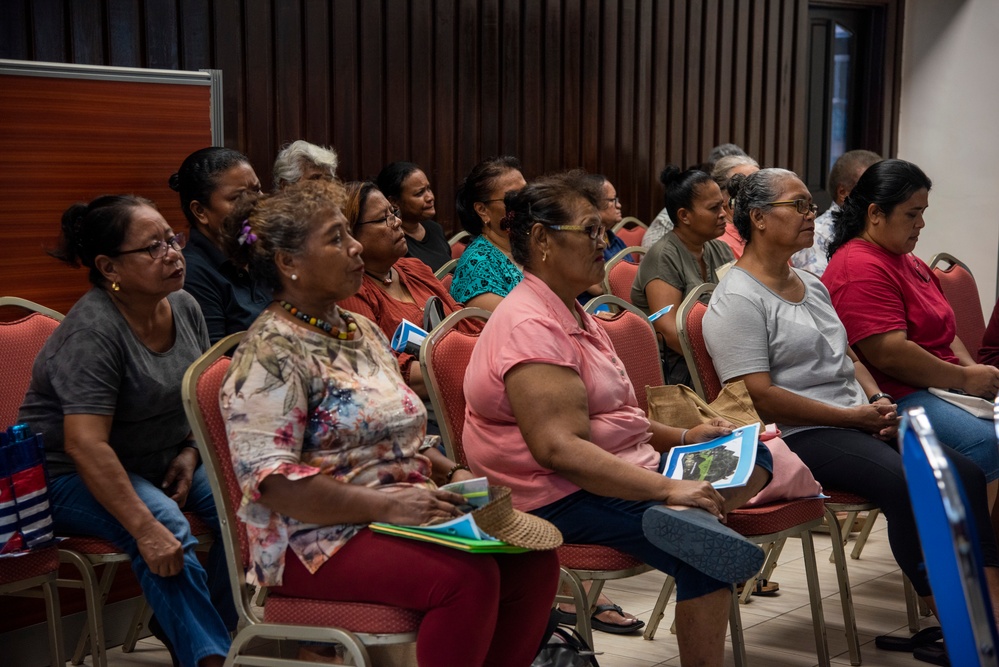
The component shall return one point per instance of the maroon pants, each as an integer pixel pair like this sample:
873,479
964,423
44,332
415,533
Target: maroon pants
478,609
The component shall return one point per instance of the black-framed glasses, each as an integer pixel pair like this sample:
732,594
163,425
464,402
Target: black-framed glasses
802,206
393,214
492,201
593,231
158,249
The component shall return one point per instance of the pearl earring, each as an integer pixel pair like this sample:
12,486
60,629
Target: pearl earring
295,276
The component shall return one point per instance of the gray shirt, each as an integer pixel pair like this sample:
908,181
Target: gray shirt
94,364
749,329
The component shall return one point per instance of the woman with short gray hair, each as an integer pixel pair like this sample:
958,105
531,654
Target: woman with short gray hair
301,160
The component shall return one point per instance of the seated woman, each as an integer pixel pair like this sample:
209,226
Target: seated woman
408,190
551,413
610,215
687,256
394,287
486,271
774,327
326,438
897,317
105,394
302,161
724,170
210,182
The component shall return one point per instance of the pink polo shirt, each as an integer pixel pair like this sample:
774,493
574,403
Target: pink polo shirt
531,325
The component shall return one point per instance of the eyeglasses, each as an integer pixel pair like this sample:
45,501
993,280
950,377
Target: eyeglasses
803,206
158,249
593,231
393,214
492,201
613,201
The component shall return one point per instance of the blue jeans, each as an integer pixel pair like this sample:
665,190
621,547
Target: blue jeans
194,608
959,430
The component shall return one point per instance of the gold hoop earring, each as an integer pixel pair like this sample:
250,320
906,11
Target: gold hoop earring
115,286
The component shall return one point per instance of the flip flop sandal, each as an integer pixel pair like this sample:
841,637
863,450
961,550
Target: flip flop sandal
925,637
613,628
764,588
564,617
699,539
935,654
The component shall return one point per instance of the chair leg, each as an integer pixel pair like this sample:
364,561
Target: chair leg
140,620
858,546
843,529
659,611
735,623
845,594
581,603
815,598
911,604
54,614
95,592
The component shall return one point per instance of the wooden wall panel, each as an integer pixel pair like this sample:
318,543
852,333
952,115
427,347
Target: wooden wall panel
618,86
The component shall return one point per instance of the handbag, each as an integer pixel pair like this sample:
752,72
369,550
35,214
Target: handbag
565,648
680,406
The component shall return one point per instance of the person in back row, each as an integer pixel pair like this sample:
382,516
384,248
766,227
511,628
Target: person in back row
211,182
407,189
301,160
845,173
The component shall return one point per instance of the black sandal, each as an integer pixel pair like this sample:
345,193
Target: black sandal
614,628
925,637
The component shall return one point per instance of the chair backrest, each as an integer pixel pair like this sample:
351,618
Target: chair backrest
950,544
635,342
959,286
690,331
200,394
632,236
444,356
445,273
458,243
620,272
629,222
20,341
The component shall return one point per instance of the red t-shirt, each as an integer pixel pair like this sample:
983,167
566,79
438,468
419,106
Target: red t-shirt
876,291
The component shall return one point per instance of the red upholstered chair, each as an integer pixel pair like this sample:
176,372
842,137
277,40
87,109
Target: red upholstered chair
445,274
21,338
958,285
351,624
708,385
458,243
631,230
23,575
620,272
443,359
634,340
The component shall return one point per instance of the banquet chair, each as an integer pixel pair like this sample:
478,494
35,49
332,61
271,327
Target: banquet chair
950,544
458,243
354,625
21,338
708,385
34,575
445,273
961,290
630,230
444,357
634,339
620,272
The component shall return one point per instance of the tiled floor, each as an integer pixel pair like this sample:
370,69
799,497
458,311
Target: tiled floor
778,630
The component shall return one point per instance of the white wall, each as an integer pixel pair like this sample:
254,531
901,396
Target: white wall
949,126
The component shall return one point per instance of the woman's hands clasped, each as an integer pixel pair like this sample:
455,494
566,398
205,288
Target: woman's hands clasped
880,419
416,506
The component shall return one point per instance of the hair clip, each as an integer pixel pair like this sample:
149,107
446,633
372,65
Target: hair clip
507,220
246,236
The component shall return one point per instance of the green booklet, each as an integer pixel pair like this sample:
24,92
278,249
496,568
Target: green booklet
471,545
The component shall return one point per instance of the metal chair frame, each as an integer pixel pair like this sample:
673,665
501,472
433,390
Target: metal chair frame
623,255
43,586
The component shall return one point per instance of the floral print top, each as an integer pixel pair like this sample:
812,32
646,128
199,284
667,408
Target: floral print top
299,403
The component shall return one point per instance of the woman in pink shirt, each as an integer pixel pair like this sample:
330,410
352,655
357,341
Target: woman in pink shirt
552,414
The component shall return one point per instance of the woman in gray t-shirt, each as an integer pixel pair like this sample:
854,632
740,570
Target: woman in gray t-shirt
105,394
775,328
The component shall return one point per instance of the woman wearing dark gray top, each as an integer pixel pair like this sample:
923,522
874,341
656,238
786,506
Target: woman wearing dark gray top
105,392
775,328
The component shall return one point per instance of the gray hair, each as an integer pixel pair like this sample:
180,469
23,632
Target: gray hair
289,167
756,192
727,164
722,150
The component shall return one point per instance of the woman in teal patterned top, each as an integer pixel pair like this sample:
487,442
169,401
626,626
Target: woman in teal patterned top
486,271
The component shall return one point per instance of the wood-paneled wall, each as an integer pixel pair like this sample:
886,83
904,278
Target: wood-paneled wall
622,87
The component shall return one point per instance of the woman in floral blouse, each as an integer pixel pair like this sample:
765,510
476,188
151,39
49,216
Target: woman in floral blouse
326,437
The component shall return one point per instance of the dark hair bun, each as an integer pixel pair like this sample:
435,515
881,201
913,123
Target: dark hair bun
669,175
174,182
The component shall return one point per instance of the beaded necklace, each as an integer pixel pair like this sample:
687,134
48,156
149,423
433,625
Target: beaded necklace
323,324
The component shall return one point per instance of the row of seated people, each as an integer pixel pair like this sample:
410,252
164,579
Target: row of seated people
304,393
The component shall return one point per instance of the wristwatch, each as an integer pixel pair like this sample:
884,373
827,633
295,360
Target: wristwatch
878,396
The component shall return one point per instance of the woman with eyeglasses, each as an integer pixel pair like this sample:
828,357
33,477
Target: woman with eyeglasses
211,182
395,287
407,188
610,215
486,270
896,315
689,254
774,327
105,395
552,414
